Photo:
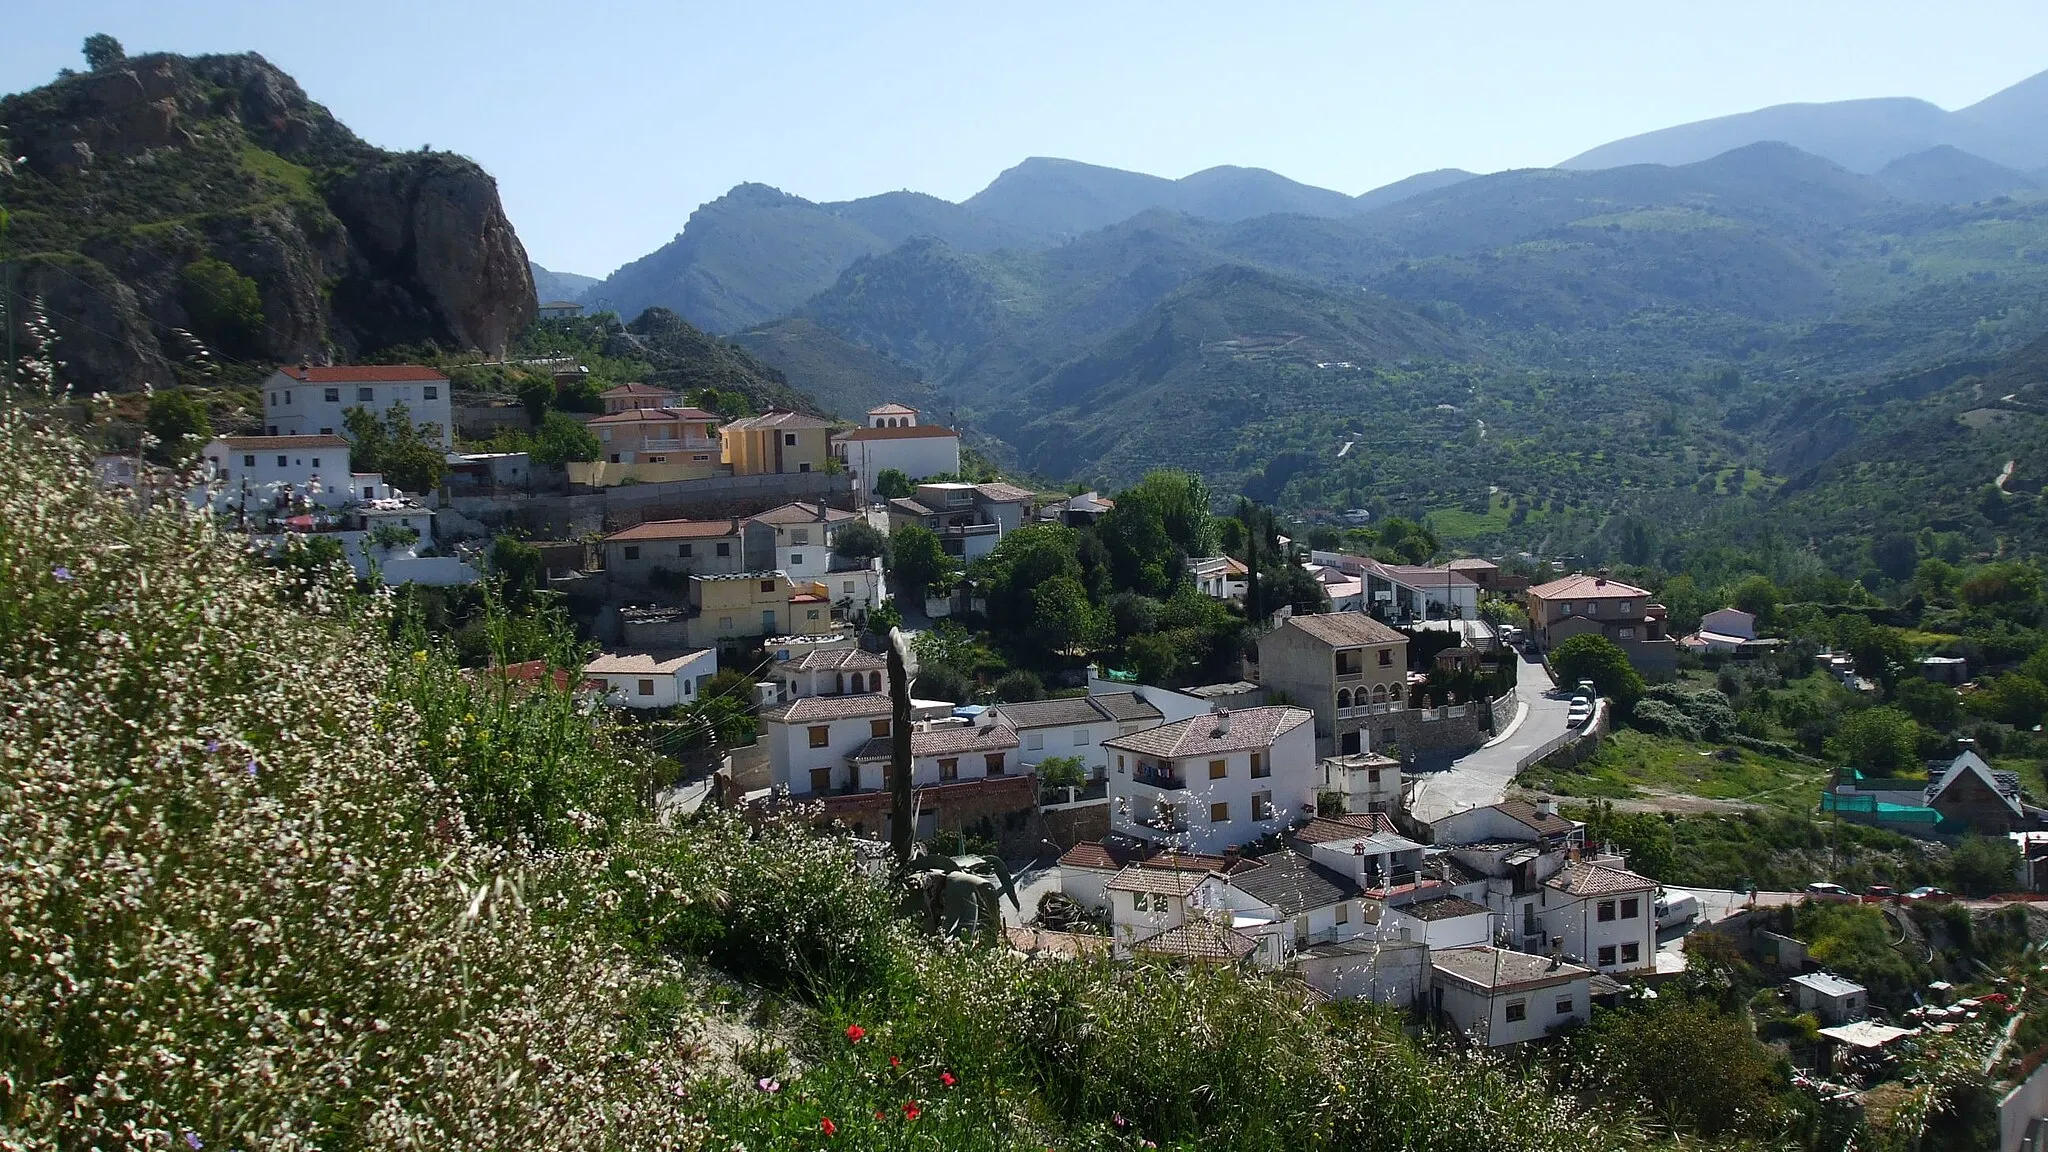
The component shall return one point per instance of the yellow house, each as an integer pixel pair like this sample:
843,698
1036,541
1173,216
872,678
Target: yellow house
775,442
650,445
749,605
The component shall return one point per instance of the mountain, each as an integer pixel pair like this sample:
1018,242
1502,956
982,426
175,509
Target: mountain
168,202
1414,185
558,285
1949,175
2009,127
1066,197
756,252
842,377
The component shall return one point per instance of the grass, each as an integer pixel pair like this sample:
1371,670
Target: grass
1630,762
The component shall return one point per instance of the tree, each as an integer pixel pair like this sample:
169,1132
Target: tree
1685,602
519,569
1934,705
103,52
226,307
177,424
1878,740
1935,579
918,564
1894,554
1026,561
891,484
1062,772
1018,686
394,448
884,616
860,541
1408,541
1157,524
1062,617
562,438
1682,1059
938,682
2014,699
1590,656
1758,597
1984,866
537,393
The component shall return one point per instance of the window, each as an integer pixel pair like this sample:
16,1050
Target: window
1626,633
1606,911
248,461
1139,903
1529,918
647,687
878,728
331,395
1259,769
1631,907
657,459
273,399
847,588
821,779
1517,1010
1219,813
1344,912
1262,805
796,559
768,620
1628,607
724,548
1081,738
789,439
369,492
1386,657
1564,609
316,461
327,431
287,396
1300,928
993,763
1372,775
683,550
725,623
632,551
949,768
1565,1005
615,457
365,395
1218,769
800,536
767,585
431,392
1034,741
281,461
1607,957
805,466
821,735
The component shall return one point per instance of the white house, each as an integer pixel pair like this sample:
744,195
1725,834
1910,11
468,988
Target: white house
310,400
1722,630
1509,820
809,738
1087,868
1493,996
653,679
559,310
1300,901
264,468
799,536
1828,996
1368,781
1440,922
841,670
893,439
1077,726
1214,781
1604,916
1220,577
941,752
1145,902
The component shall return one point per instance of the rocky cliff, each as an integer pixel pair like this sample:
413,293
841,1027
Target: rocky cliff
176,212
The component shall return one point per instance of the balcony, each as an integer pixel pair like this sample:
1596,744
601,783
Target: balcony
684,445
963,531
1155,776
1361,711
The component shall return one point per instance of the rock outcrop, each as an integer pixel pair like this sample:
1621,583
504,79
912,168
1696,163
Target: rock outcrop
174,212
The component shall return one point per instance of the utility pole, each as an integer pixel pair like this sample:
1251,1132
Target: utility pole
902,668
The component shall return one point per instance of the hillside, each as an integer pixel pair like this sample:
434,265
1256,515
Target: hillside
208,194
1949,175
843,378
558,285
1066,197
2009,127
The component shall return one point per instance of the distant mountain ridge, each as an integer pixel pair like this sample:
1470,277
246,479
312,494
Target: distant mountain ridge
2009,127
551,286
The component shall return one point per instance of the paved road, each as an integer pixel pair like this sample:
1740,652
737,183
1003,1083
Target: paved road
1481,776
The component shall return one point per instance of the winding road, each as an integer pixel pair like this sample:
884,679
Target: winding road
1481,776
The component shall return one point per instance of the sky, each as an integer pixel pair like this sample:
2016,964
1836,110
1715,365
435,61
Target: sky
607,123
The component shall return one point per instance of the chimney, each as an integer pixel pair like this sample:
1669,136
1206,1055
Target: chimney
821,510
1600,578
1546,806
1222,721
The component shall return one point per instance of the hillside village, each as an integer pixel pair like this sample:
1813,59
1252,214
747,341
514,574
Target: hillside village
1112,663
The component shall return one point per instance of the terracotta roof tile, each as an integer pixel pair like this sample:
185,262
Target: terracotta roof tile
362,373
1588,587
913,432
1344,629
1250,728
1582,879
799,512
1200,940
1156,880
672,530
1485,967
811,709
269,443
837,660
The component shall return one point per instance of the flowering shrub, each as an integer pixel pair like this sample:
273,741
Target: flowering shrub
239,911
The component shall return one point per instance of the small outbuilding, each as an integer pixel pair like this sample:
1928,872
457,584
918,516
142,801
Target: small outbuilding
1830,997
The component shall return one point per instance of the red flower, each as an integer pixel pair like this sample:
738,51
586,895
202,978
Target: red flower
946,1078
826,1126
911,1111
895,1061
878,1113
855,1033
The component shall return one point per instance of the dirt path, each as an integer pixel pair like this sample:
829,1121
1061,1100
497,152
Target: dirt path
2006,475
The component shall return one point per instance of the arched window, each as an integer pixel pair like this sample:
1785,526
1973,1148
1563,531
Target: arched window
1379,693
1343,697
1394,693
874,681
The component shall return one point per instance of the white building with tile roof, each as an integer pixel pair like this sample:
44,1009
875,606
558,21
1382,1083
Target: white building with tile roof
1214,781
646,680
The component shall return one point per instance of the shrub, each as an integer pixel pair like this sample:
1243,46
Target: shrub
1019,686
1663,718
225,306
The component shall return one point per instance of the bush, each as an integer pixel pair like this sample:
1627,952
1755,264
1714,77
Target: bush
1019,686
1663,718
1588,656
225,306
938,682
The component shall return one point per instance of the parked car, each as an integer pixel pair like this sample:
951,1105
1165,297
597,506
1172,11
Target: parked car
1828,890
1581,710
1881,892
1925,892
1675,907
1587,690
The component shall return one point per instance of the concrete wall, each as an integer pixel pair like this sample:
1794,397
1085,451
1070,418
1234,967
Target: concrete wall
1003,809
2020,1108
1394,972
1069,826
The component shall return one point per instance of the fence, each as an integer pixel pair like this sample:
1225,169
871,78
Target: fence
1596,726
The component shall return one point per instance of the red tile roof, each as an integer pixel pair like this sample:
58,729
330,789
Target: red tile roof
1582,879
657,415
361,373
260,443
1345,629
1200,940
913,432
1588,587
673,530
1203,735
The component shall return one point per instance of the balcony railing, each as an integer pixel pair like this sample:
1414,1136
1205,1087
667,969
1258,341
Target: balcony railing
1156,777
1359,710
961,531
678,445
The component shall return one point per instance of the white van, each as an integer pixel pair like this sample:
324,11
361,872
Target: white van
1675,907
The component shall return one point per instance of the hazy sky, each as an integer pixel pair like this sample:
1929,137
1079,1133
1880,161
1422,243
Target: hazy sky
607,123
